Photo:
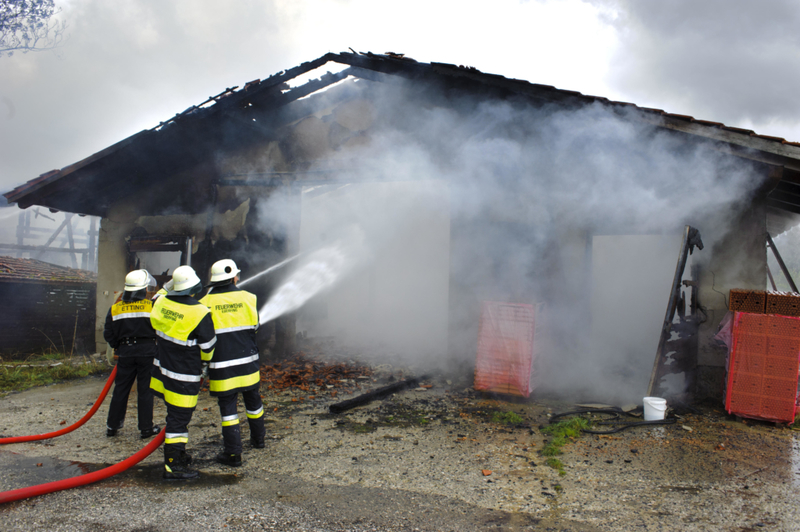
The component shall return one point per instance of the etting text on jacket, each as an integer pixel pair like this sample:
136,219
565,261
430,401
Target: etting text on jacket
128,329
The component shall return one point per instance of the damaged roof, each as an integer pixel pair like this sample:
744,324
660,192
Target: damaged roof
33,270
184,141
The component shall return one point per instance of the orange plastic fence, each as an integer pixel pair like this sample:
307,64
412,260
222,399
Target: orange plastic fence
504,363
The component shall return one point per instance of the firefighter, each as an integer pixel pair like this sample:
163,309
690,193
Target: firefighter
129,333
234,366
186,342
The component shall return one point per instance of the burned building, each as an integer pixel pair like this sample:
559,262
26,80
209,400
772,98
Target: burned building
415,191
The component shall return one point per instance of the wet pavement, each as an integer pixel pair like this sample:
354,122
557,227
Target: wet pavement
435,458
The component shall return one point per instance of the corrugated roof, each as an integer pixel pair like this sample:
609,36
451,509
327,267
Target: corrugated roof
28,270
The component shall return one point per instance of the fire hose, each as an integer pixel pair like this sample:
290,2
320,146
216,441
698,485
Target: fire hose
84,419
82,480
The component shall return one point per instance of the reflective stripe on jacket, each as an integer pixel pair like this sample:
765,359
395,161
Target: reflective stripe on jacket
130,320
185,340
234,367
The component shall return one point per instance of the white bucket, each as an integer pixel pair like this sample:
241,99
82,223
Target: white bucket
655,408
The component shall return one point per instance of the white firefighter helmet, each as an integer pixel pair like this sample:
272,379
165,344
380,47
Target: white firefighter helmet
183,279
138,280
224,269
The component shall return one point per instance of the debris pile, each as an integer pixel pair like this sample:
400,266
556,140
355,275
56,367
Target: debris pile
302,373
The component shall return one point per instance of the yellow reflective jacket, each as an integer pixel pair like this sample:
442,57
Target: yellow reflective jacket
186,339
234,366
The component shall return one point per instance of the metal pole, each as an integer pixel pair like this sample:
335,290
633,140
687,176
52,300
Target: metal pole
771,279
785,271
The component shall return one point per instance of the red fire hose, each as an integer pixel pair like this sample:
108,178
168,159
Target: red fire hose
82,480
84,419
74,482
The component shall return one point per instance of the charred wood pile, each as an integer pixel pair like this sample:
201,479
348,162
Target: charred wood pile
314,377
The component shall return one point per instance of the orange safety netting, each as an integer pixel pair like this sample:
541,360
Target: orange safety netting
504,363
763,367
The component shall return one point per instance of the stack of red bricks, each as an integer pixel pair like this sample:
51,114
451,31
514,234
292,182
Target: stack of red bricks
762,302
765,355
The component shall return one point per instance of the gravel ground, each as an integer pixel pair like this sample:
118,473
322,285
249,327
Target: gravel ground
429,459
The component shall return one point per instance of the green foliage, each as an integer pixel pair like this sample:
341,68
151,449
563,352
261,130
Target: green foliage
41,371
556,464
362,428
561,432
506,418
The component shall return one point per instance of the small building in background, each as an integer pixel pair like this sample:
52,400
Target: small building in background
47,308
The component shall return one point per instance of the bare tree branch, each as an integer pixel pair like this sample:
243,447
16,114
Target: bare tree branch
27,26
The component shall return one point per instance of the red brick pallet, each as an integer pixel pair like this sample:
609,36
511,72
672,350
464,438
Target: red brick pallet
747,300
763,367
761,302
504,363
783,303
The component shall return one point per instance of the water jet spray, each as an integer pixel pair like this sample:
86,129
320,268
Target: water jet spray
269,270
319,272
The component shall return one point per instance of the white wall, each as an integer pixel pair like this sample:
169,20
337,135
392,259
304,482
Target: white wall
631,281
397,295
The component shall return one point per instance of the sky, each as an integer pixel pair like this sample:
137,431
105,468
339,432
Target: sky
126,66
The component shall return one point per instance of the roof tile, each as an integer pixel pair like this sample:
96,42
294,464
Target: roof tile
14,269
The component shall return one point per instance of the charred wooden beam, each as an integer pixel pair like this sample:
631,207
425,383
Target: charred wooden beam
691,238
374,395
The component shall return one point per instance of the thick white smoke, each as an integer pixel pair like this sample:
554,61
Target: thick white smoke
523,191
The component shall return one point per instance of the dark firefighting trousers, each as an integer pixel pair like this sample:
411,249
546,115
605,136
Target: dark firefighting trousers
230,419
177,432
128,369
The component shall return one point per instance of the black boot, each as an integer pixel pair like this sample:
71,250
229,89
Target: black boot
150,432
257,443
230,459
176,466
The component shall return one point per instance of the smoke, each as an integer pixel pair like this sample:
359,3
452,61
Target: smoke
316,273
500,201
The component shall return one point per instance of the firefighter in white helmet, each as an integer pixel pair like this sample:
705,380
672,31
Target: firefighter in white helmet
234,366
186,342
128,331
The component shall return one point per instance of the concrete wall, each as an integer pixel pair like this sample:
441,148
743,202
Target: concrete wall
112,267
632,278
